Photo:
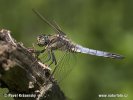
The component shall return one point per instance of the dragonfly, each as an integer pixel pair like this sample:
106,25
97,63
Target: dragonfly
60,41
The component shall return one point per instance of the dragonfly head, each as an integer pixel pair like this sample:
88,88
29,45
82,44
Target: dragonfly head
42,40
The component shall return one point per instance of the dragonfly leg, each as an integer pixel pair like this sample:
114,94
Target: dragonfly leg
38,52
49,57
53,58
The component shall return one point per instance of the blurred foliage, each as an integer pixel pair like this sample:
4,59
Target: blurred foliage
101,24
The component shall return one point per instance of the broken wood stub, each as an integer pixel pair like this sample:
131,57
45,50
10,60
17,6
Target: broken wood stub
21,72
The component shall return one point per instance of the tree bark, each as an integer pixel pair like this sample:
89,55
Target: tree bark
23,74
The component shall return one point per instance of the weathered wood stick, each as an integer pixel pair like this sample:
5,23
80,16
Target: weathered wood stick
23,74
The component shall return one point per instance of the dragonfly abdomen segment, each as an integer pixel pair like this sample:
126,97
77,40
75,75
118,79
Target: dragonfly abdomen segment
81,49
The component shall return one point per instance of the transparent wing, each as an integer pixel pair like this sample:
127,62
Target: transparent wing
54,26
65,65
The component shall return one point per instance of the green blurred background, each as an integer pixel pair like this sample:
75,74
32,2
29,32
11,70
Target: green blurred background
100,24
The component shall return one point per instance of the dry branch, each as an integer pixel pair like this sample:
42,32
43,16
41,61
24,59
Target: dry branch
21,73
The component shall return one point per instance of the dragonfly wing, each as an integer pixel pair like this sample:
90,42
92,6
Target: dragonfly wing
82,49
55,28
64,66
56,25
58,28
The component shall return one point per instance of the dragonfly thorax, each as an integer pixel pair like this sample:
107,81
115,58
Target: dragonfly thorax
43,40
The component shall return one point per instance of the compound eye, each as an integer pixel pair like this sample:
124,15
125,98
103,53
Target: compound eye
46,40
41,40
